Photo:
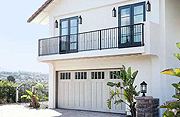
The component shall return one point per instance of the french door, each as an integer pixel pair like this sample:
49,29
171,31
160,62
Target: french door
69,35
130,33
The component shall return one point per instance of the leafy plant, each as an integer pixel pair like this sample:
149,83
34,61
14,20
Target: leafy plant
7,91
34,99
127,86
173,108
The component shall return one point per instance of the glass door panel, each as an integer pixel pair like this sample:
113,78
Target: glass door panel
138,17
69,34
64,34
73,34
125,22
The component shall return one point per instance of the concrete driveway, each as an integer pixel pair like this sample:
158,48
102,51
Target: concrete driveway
19,110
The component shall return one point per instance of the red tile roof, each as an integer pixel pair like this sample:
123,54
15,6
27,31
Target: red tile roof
39,10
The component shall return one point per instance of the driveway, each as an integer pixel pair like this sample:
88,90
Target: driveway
19,110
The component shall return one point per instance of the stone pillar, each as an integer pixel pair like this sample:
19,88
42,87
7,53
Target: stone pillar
147,106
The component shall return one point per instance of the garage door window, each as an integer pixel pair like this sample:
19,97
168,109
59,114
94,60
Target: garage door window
81,75
97,75
65,76
112,76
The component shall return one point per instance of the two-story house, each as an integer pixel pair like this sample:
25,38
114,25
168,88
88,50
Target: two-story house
90,39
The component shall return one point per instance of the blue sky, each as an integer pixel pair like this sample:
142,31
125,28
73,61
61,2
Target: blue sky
18,39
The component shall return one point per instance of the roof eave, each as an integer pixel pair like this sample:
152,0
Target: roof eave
46,4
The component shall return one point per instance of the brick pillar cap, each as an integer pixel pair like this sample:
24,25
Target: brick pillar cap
144,98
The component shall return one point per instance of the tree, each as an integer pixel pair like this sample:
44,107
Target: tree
129,90
7,91
11,78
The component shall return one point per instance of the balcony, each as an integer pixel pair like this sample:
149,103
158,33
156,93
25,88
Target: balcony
116,37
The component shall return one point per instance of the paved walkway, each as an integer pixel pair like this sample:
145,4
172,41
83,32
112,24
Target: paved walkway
16,110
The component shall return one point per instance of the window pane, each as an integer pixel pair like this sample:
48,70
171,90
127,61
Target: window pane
63,75
138,38
73,38
95,75
64,31
138,10
73,30
92,75
67,76
99,75
79,75
125,12
125,21
73,45
76,75
63,43
138,19
64,24
73,22
111,75
85,75
102,75
82,75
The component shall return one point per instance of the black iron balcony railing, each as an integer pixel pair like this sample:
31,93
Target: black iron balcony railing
117,37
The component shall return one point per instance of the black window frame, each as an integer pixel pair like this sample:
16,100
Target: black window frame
131,6
65,76
80,75
68,50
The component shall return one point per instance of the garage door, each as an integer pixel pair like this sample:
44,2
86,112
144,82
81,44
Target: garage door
86,90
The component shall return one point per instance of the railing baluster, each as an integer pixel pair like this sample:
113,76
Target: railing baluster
142,35
100,40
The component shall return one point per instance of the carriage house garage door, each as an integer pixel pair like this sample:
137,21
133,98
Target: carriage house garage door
86,90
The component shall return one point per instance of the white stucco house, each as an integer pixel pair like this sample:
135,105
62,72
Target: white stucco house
88,39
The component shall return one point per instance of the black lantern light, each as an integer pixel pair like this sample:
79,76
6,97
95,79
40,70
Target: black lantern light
80,19
114,12
56,24
148,6
143,88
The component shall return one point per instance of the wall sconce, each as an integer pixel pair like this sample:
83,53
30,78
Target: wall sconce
80,19
56,24
143,88
148,6
114,12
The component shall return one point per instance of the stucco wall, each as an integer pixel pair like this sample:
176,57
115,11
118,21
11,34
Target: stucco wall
137,62
172,29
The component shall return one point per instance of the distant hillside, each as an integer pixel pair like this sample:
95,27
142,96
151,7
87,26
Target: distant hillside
2,69
22,77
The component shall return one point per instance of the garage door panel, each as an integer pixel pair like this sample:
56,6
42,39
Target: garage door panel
82,94
85,92
99,97
94,95
77,94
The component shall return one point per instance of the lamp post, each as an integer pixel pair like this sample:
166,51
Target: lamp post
143,88
148,6
114,12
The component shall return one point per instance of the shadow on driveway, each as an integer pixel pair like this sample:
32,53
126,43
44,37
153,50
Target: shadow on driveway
79,113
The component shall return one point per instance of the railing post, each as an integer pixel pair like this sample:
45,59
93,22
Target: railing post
59,44
100,40
39,48
142,35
